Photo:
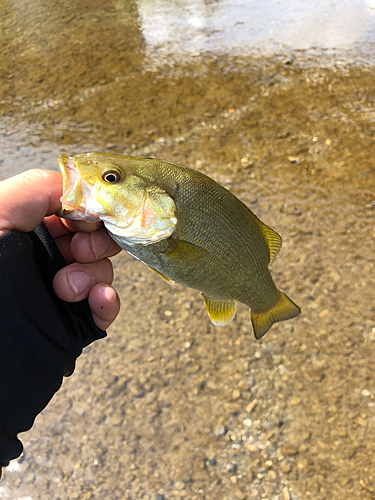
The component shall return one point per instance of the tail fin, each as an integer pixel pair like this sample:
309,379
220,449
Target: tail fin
284,309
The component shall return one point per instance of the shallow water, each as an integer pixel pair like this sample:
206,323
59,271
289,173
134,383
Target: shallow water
277,104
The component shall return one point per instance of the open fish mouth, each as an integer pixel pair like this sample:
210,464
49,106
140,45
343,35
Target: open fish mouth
73,202
69,173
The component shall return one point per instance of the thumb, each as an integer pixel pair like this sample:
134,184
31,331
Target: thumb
27,198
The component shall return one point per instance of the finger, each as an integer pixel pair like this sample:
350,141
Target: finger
89,247
58,226
104,303
28,197
74,282
64,245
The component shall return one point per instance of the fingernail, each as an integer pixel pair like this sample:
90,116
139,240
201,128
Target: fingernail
100,242
79,281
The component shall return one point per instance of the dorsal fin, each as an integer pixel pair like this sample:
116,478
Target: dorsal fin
273,241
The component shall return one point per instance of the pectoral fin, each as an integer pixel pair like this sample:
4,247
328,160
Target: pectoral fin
162,276
184,251
221,312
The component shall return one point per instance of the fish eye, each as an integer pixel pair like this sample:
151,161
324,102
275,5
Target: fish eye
112,176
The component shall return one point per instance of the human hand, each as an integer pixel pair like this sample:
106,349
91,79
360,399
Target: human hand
34,195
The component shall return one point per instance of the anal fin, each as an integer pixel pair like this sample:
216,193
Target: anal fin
221,312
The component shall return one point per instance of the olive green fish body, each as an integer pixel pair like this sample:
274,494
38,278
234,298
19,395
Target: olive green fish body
217,247
210,241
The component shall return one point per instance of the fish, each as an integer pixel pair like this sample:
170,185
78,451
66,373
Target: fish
185,226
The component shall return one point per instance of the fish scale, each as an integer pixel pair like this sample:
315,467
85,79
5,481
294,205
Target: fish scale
183,225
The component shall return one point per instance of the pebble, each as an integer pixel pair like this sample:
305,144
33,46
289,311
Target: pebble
86,495
179,485
220,431
285,467
286,494
272,475
366,393
294,159
289,450
250,407
247,422
236,394
232,467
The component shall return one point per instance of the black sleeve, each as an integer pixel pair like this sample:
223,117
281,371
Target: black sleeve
40,335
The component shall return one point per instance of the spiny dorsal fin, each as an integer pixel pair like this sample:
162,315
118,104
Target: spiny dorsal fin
221,312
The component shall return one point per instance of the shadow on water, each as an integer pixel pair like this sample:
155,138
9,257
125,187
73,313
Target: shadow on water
277,104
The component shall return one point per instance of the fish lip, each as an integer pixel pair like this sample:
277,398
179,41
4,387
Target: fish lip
69,172
68,169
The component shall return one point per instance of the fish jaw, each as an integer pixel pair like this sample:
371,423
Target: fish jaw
75,192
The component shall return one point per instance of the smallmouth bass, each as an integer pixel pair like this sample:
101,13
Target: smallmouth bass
185,226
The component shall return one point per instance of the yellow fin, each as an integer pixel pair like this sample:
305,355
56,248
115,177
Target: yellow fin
221,312
273,241
162,276
283,310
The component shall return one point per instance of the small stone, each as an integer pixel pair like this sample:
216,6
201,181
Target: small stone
168,313
236,394
158,496
272,475
86,495
233,479
179,485
250,407
366,393
194,369
243,384
220,431
294,159
247,422
286,494
289,450
232,467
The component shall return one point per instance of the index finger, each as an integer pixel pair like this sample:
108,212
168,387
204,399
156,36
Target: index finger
59,227
27,198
